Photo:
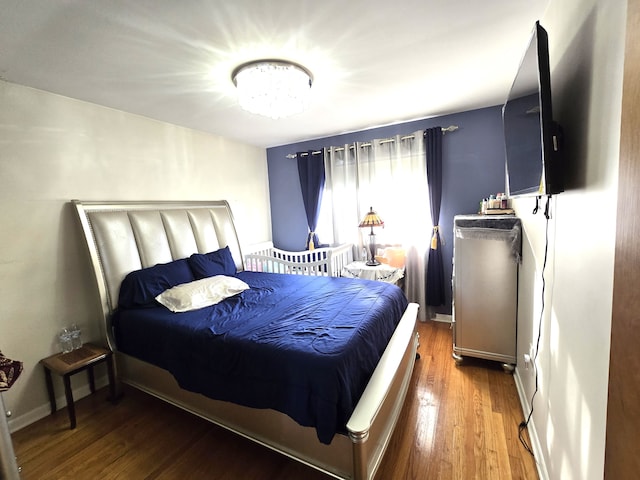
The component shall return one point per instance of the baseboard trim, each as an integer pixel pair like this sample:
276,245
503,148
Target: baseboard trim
533,434
38,413
441,317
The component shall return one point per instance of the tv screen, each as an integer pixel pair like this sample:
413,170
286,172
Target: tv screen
532,138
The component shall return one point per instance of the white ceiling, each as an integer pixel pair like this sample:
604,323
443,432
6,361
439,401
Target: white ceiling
375,62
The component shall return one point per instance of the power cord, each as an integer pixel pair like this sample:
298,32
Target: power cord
537,207
525,423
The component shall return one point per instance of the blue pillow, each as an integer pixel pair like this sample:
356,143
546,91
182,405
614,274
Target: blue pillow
210,264
140,287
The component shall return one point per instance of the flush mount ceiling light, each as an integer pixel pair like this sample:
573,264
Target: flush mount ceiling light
273,88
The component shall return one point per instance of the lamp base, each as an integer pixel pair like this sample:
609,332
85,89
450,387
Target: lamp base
371,260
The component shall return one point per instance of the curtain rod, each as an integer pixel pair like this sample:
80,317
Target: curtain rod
450,128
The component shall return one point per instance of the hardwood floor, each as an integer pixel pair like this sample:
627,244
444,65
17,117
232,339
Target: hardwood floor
457,423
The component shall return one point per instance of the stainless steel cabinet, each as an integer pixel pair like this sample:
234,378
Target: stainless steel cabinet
485,287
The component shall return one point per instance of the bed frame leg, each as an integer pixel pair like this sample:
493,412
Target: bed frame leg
359,463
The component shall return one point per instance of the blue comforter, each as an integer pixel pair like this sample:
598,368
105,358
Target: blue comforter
305,346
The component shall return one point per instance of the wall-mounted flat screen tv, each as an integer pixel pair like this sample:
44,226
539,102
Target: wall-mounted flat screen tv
532,138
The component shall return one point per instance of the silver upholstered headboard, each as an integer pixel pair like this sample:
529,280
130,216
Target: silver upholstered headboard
125,236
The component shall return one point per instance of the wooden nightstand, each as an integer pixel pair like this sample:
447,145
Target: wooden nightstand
67,364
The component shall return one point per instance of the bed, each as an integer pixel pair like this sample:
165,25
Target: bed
123,238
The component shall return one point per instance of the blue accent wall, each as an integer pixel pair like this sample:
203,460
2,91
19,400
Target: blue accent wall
473,168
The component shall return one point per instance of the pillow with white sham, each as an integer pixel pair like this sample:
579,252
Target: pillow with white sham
201,293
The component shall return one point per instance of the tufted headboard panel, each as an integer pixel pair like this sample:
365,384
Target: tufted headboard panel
125,236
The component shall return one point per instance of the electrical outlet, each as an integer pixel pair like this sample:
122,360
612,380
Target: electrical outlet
527,361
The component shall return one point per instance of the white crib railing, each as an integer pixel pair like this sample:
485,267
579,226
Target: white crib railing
327,262
263,248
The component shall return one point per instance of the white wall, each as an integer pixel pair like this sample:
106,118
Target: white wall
53,149
586,40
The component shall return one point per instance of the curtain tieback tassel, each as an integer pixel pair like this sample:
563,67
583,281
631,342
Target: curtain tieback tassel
311,244
434,237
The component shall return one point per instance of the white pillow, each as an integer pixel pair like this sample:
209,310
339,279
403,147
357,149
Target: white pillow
201,293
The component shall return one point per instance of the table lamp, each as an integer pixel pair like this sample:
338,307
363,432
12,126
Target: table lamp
372,219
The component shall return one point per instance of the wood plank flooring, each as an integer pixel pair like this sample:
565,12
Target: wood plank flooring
457,423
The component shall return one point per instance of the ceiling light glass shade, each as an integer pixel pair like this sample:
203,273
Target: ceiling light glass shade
273,88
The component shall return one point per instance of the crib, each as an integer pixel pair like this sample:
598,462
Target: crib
327,261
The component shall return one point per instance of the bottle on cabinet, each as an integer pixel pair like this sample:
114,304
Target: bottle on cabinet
495,204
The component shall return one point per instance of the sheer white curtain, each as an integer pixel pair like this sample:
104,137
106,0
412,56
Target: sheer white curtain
390,176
